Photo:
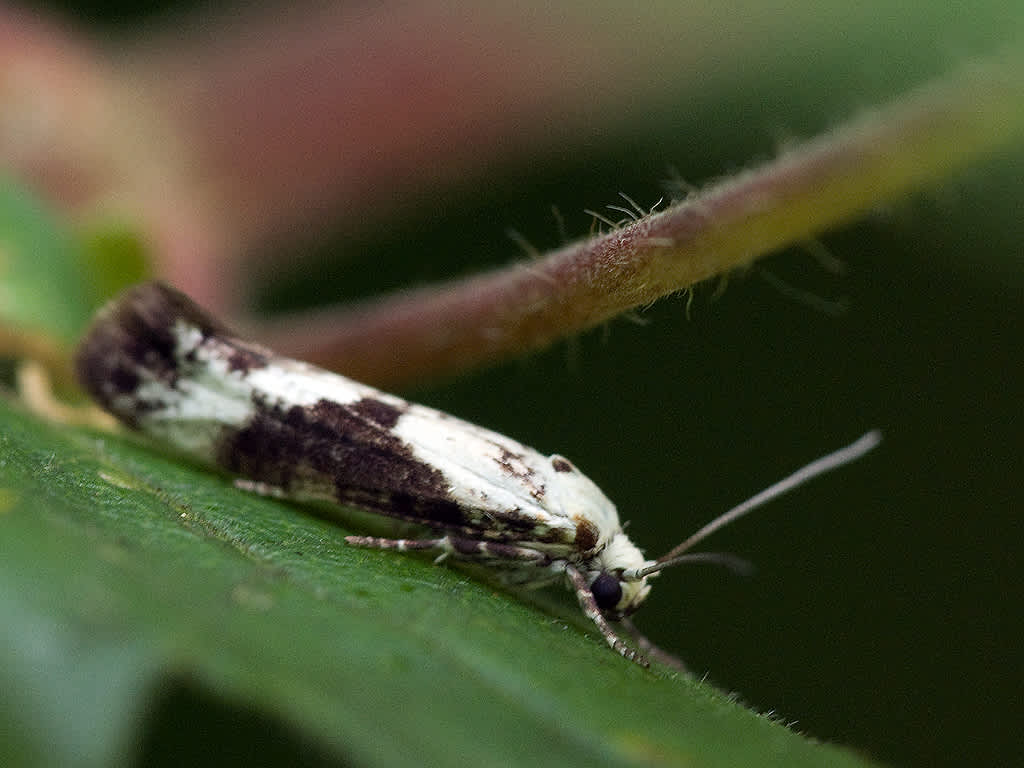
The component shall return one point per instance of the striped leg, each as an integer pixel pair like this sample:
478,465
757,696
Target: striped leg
656,653
589,606
456,546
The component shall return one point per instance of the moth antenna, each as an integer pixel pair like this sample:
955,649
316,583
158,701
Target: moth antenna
820,466
728,560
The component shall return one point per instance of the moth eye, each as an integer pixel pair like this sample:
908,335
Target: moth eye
606,591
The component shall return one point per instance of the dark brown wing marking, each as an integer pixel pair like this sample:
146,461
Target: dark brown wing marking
344,451
136,334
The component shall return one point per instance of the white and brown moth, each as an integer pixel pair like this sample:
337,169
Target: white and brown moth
163,366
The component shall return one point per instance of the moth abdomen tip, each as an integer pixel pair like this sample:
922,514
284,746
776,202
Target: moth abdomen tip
132,338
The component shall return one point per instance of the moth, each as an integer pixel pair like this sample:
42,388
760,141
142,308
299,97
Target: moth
165,367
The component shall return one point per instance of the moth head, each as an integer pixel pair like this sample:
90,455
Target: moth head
615,594
620,579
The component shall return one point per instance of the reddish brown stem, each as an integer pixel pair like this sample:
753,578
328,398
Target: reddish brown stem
448,328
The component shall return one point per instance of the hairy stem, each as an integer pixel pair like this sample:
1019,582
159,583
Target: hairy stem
920,139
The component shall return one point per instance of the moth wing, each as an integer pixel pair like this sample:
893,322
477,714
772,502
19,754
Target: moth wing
317,435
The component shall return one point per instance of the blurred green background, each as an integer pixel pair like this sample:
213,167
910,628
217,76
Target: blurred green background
885,612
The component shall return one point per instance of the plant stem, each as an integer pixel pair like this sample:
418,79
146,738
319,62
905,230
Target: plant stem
919,139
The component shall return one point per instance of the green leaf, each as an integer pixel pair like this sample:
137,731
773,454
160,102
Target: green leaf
51,280
40,268
116,257
139,593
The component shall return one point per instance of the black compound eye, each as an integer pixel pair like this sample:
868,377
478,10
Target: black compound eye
606,591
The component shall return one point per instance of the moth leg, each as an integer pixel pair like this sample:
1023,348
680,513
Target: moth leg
658,654
456,546
592,612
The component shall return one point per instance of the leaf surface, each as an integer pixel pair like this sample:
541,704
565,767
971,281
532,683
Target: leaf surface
124,571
